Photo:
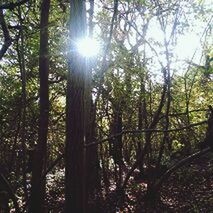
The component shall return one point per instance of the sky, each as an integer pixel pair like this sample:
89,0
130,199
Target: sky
187,46
190,45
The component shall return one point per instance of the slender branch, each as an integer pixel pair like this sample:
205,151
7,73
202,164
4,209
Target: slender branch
185,113
144,40
105,65
142,131
57,160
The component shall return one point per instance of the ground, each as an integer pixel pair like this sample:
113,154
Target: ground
189,189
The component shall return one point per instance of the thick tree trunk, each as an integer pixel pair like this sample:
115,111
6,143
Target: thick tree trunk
75,115
37,200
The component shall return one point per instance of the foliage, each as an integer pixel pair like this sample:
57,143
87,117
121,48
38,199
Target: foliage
140,67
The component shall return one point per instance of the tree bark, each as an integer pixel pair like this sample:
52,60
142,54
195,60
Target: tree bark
75,114
37,200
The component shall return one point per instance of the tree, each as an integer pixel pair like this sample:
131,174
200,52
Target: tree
37,200
128,107
75,114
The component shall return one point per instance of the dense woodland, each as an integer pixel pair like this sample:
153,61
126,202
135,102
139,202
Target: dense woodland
128,129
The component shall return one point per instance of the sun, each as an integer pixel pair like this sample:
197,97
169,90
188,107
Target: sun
88,47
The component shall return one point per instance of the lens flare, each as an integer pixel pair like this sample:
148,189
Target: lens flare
88,47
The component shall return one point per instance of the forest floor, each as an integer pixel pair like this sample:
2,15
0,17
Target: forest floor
189,189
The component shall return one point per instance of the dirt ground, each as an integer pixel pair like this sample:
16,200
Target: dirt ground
189,189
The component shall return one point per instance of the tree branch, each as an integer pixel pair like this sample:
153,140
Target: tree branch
57,160
142,131
105,65
181,163
6,34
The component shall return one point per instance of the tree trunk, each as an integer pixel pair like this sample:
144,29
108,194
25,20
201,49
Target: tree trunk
21,59
37,201
75,114
93,179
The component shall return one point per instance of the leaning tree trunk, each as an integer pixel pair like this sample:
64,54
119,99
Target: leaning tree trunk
37,199
75,114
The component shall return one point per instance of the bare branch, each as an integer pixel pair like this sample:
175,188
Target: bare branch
144,130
